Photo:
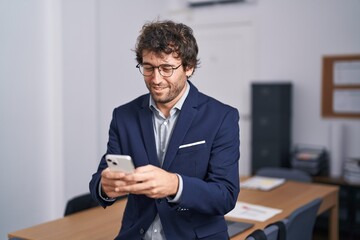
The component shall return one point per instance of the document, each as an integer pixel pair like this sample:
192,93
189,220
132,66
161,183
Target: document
253,212
346,101
346,72
262,183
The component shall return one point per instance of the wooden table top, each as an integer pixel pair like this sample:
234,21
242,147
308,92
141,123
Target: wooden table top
99,223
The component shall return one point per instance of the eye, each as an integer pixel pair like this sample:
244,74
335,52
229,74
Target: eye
148,68
166,68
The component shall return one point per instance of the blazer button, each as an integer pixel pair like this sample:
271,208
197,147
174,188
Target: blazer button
142,231
159,200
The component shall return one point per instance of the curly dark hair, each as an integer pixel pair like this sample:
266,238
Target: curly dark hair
167,37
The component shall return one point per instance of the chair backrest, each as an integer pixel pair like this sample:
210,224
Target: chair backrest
300,223
287,173
79,203
250,238
272,232
269,233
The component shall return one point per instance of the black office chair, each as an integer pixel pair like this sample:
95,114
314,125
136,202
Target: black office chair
79,203
287,173
269,233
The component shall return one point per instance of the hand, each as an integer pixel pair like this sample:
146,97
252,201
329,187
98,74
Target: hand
111,183
151,181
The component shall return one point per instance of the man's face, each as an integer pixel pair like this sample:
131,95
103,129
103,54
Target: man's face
165,91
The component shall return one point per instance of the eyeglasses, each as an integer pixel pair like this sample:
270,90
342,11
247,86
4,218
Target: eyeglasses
165,70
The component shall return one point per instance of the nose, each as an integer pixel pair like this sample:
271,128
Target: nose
156,78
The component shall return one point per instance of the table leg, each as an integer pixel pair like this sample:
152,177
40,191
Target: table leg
334,221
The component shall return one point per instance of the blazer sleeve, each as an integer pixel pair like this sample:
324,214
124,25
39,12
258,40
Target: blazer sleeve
113,147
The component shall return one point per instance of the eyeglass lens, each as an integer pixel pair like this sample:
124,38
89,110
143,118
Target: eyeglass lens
164,70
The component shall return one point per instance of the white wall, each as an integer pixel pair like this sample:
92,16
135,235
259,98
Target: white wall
80,95
30,140
64,65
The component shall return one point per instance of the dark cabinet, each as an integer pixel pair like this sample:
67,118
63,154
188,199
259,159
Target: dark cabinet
270,125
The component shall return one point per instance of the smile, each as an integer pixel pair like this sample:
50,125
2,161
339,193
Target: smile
158,88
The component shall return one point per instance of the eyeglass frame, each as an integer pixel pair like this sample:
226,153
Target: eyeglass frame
139,65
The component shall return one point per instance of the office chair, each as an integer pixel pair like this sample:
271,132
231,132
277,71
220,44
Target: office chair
269,233
300,223
79,203
272,232
298,226
287,173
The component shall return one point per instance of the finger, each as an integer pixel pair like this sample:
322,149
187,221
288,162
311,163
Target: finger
139,177
136,188
144,173
145,168
115,194
107,173
114,189
109,191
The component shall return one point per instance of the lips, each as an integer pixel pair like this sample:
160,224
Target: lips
158,89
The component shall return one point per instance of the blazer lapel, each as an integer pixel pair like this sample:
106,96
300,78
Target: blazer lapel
146,123
187,114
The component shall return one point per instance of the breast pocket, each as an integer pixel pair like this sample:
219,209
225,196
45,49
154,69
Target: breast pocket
192,160
191,147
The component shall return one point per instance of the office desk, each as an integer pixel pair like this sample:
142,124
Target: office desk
291,196
98,223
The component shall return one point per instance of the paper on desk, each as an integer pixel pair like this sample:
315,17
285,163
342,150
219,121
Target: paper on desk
262,183
253,212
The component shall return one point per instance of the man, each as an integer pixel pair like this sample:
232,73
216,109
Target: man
184,145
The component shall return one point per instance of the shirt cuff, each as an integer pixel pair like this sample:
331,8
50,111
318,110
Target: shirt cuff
179,192
107,199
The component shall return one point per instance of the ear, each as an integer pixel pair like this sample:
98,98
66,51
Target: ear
189,71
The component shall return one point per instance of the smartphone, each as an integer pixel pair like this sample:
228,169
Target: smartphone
119,163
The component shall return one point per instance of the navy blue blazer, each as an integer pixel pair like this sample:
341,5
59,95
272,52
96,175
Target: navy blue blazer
209,168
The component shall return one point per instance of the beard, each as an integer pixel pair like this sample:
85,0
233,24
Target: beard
165,93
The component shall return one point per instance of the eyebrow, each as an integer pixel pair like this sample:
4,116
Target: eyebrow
164,64
167,63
